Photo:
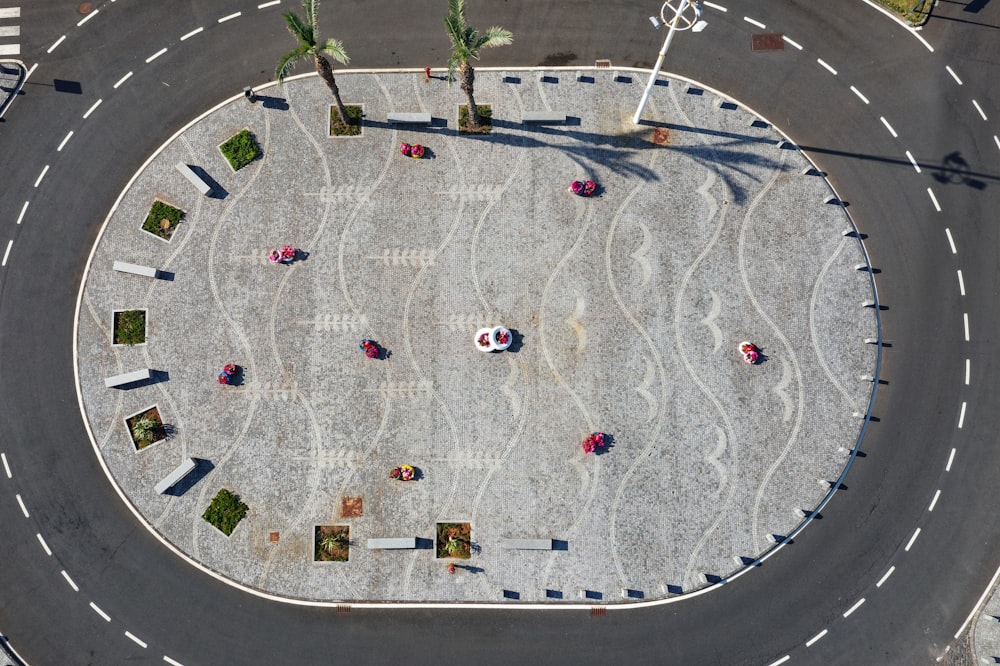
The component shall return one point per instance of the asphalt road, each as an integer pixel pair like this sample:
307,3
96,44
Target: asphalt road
866,531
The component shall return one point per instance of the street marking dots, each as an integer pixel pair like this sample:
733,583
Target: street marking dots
909,544
6,254
58,42
968,367
792,42
889,127
979,109
276,2
45,170
88,17
192,33
123,80
951,459
45,546
63,143
858,93
135,639
752,22
961,417
91,109
70,581
24,509
961,284
951,241
809,643
6,467
780,661
97,610
855,607
885,577
965,319
230,17
938,493
934,200
909,156
825,66
156,55
953,74
171,661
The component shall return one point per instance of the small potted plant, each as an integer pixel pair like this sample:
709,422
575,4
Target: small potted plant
593,441
501,338
228,373
582,188
484,340
403,473
369,347
750,352
416,151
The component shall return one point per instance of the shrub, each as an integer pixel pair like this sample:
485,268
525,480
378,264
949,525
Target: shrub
454,540
353,125
162,219
241,150
225,512
332,543
130,327
146,428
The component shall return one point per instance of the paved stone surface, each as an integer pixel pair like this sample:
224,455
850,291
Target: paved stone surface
627,308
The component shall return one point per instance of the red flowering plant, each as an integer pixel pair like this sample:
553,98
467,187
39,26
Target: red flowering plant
503,336
593,441
484,339
369,348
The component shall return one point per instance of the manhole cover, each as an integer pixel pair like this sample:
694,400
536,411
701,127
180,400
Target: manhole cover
767,41
661,136
350,507
273,537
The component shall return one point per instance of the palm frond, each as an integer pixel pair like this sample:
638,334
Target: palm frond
300,29
456,12
288,61
495,36
335,49
309,7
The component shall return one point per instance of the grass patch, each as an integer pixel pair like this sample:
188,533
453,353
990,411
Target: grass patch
162,219
332,543
454,540
353,125
241,150
146,428
910,11
130,327
225,512
465,121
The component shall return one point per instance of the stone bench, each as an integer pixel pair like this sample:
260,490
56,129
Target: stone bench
128,378
410,118
136,269
543,117
195,179
526,544
392,543
175,476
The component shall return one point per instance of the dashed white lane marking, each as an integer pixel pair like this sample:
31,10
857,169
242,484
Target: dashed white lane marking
230,17
192,33
276,2
951,459
789,40
45,546
97,610
889,127
979,109
88,17
934,200
122,80
961,283
23,208
45,170
70,581
57,43
968,368
953,74
860,96
909,156
135,639
171,661
6,467
951,241
965,319
91,109
781,661
31,71
937,494
156,55
855,607
909,544
922,40
885,577
809,643
961,417
825,66
20,502
996,140
752,22
6,254
63,142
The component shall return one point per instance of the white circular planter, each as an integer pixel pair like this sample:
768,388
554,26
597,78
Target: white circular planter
495,339
488,332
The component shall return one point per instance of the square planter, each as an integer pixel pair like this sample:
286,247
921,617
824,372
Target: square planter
162,220
128,328
331,543
156,435
453,540
356,112
225,512
485,114
240,149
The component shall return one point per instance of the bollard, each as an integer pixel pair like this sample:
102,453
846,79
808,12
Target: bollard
250,94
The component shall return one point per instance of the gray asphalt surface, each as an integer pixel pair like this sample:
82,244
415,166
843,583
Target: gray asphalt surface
764,615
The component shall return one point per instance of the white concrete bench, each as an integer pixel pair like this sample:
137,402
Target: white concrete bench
410,118
195,179
136,269
526,544
175,476
128,378
543,117
392,543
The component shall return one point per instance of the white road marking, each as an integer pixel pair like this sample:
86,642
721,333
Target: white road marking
24,509
10,244
961,285
996,140
855,607
951,241
23,208
965,319
10,12
88,17
909,156
953,74
6,467
91,109
10,49
63,143
275,2
70,581
156,55
934,200
975,609
192,33
913,538
100,612
826,66
809,643
961,417
885,577
230,17
752,22
792,42
968,367
858,93
781,661
10,31
31,71
122,80
135,639
979,109
45,170
171,661
951,459
922,40
889,127
57,43
938,493
45,546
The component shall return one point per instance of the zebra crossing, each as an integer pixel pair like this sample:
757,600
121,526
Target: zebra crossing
9,32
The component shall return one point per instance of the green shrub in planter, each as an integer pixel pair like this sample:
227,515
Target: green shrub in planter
241,150
162,219
130,327
225,512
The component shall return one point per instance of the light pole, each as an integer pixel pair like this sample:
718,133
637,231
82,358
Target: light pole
678,22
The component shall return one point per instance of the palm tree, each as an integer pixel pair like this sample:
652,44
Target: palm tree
307,32
465,44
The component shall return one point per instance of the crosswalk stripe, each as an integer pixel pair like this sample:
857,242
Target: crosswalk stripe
10,30
10,49
10,12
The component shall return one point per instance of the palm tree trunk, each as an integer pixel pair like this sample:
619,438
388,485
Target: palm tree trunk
468,76
326,73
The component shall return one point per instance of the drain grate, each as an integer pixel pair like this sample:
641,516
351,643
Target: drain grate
602,64
343,608
598,611
767,41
